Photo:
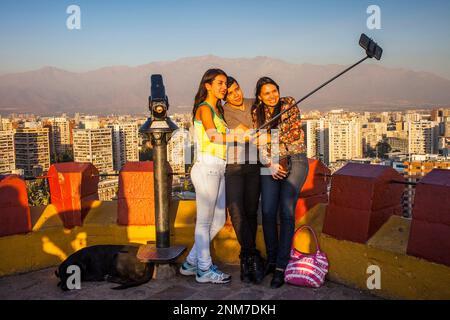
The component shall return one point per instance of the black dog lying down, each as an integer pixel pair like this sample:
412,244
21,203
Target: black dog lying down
113,263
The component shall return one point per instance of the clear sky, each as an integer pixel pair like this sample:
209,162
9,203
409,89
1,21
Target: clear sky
33,33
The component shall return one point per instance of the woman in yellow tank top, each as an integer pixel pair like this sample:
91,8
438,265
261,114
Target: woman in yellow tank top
208,175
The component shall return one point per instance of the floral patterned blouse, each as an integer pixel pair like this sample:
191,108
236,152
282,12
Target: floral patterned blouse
290,133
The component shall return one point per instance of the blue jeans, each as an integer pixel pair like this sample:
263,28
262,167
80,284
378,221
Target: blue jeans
280,196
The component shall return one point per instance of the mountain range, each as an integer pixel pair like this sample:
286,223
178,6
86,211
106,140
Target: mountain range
125,90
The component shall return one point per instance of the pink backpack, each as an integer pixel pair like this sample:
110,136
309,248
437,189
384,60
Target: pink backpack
306,270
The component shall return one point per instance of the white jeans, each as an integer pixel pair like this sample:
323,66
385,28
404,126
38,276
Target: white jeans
208,177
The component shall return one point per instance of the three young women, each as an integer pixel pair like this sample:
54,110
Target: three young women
279,189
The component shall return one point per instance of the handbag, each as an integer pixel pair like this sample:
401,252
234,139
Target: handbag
307,270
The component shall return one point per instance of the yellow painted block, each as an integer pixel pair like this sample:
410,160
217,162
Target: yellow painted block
402,276
183,212
393,235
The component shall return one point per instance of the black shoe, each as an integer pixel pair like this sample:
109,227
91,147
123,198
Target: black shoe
247,269
258,268
277,280
269,268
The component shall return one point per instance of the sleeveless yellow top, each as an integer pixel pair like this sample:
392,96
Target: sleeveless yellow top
204,145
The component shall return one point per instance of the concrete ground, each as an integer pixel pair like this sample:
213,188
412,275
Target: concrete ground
42,285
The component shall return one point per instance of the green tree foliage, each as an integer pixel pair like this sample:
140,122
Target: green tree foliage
38,193
383,148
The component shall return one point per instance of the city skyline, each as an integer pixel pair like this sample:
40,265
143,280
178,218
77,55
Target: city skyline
330,136
412,142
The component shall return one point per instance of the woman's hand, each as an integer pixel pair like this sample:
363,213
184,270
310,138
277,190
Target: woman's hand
278,172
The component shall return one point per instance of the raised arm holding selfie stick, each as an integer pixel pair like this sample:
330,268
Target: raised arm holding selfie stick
373,50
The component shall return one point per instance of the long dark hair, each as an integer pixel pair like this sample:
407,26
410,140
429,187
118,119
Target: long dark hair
259,105
202,93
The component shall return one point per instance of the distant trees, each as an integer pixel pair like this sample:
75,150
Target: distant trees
146,153
383,148
62,157
38,193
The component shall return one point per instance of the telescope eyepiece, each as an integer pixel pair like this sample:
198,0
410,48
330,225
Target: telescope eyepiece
158,101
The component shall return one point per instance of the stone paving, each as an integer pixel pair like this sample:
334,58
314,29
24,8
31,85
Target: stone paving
42,285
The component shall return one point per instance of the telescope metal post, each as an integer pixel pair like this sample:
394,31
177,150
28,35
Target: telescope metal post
161,187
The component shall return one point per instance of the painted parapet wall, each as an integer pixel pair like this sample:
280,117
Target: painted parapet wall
402,275
76,218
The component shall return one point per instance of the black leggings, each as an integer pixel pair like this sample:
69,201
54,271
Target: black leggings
242,196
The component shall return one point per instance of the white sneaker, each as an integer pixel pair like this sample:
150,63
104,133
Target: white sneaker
212,275
188,269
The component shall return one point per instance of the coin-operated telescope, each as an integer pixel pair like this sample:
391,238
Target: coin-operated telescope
159,128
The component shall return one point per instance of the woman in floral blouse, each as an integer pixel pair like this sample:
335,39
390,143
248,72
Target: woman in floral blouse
283,151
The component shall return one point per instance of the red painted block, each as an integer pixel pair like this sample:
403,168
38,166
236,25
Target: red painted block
366,187
432,199
430,241
362,199
73,188
136,196
317,180
429,237
306,204
14,209
354,224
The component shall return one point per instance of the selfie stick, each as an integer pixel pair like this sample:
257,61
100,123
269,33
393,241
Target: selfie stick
373,50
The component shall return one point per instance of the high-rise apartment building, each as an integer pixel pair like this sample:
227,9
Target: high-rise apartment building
60,136
90,122
372,133
32,149
345,139
5,124
125,140
7,156
412,117
398,144
422,137
94,146
316,136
